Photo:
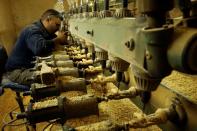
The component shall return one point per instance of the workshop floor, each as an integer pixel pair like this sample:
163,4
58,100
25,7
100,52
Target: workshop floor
8,103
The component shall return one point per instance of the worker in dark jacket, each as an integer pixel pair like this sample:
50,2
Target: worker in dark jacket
38,39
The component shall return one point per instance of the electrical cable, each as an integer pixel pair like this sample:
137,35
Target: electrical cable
46,126
51,126
9,113
52,122
8,123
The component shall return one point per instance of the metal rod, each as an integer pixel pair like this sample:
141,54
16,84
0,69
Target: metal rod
125,3
76,8
106,4
87,7
81,6
81,2
95,6
20,102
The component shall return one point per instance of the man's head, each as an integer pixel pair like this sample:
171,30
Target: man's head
51,20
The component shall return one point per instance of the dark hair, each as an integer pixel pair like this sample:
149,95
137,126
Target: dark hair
51,12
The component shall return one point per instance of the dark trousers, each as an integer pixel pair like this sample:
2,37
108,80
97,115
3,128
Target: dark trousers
20,76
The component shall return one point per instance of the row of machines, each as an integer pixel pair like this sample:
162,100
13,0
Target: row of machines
136,47
156,40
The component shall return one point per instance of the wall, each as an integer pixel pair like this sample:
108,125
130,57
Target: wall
7,29
26,11
66,5
16,14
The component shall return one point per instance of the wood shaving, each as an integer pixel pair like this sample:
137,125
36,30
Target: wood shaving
121,111
75,122
184,85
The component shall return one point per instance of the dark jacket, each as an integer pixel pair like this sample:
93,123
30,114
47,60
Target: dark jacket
33,41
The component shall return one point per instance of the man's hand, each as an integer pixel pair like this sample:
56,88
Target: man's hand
61,37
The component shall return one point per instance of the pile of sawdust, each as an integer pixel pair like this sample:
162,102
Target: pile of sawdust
121,111
75,122
73,93
44,104
96,89
182,84
65,78
117,111
100,90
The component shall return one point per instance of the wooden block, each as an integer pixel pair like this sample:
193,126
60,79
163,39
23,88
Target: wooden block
47,74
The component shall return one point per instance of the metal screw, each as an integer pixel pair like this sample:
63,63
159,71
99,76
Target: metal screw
130,44
90,32
127,44
148,55
76,28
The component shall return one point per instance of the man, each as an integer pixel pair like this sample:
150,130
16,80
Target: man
38,39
